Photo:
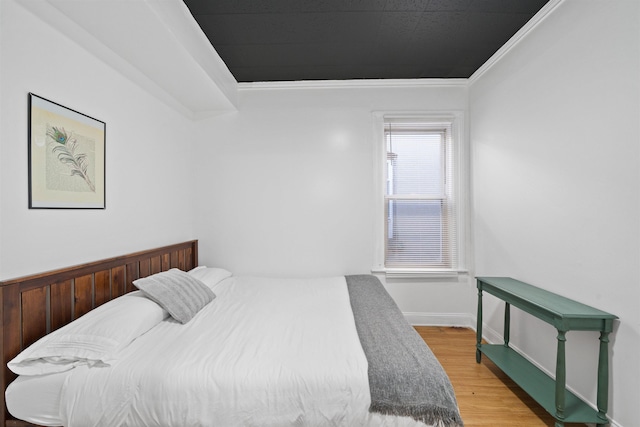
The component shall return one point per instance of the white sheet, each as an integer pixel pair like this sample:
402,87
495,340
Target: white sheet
264,353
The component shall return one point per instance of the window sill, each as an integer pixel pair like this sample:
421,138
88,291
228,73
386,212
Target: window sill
417,273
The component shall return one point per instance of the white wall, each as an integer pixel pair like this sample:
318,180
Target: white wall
148,183
286,184
556,142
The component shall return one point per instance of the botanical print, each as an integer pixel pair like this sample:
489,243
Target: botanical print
66,157
66,162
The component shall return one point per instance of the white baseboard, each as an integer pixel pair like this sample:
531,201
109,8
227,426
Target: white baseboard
463,320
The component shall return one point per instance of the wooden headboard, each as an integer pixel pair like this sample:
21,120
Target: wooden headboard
34,306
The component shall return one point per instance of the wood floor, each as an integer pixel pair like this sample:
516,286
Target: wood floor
486,396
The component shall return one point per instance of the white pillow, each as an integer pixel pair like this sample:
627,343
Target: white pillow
181,294
92,339
210,276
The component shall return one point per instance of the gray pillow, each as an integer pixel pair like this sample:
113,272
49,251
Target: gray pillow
181,294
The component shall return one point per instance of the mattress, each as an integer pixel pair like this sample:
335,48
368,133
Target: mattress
265,352
36,398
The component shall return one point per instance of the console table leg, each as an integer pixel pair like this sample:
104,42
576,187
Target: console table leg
479,327
561,377
603,379
507,323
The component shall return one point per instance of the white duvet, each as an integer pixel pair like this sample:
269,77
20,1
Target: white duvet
265,352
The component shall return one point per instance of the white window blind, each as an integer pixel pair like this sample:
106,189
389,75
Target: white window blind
420,202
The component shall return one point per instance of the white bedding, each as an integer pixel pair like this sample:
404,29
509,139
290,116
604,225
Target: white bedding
265,352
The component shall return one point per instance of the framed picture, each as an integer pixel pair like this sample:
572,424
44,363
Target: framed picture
66,157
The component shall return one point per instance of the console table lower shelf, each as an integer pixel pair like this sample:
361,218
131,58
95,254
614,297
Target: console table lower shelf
537,384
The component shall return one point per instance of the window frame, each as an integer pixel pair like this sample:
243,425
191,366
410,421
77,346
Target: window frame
455,121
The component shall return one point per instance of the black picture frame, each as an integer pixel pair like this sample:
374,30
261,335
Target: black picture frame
67,157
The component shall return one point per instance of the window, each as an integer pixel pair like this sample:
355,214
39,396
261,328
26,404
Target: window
420,203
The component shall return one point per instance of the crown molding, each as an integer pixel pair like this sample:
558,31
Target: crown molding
205,86
515,39
353,84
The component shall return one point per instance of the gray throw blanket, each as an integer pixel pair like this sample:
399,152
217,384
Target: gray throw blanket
405,378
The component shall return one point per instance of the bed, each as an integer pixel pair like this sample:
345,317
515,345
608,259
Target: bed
252,351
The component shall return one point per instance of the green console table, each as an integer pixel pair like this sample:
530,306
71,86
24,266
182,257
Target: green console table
565,315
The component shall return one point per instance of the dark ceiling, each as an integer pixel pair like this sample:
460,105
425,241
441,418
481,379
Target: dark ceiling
288,40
